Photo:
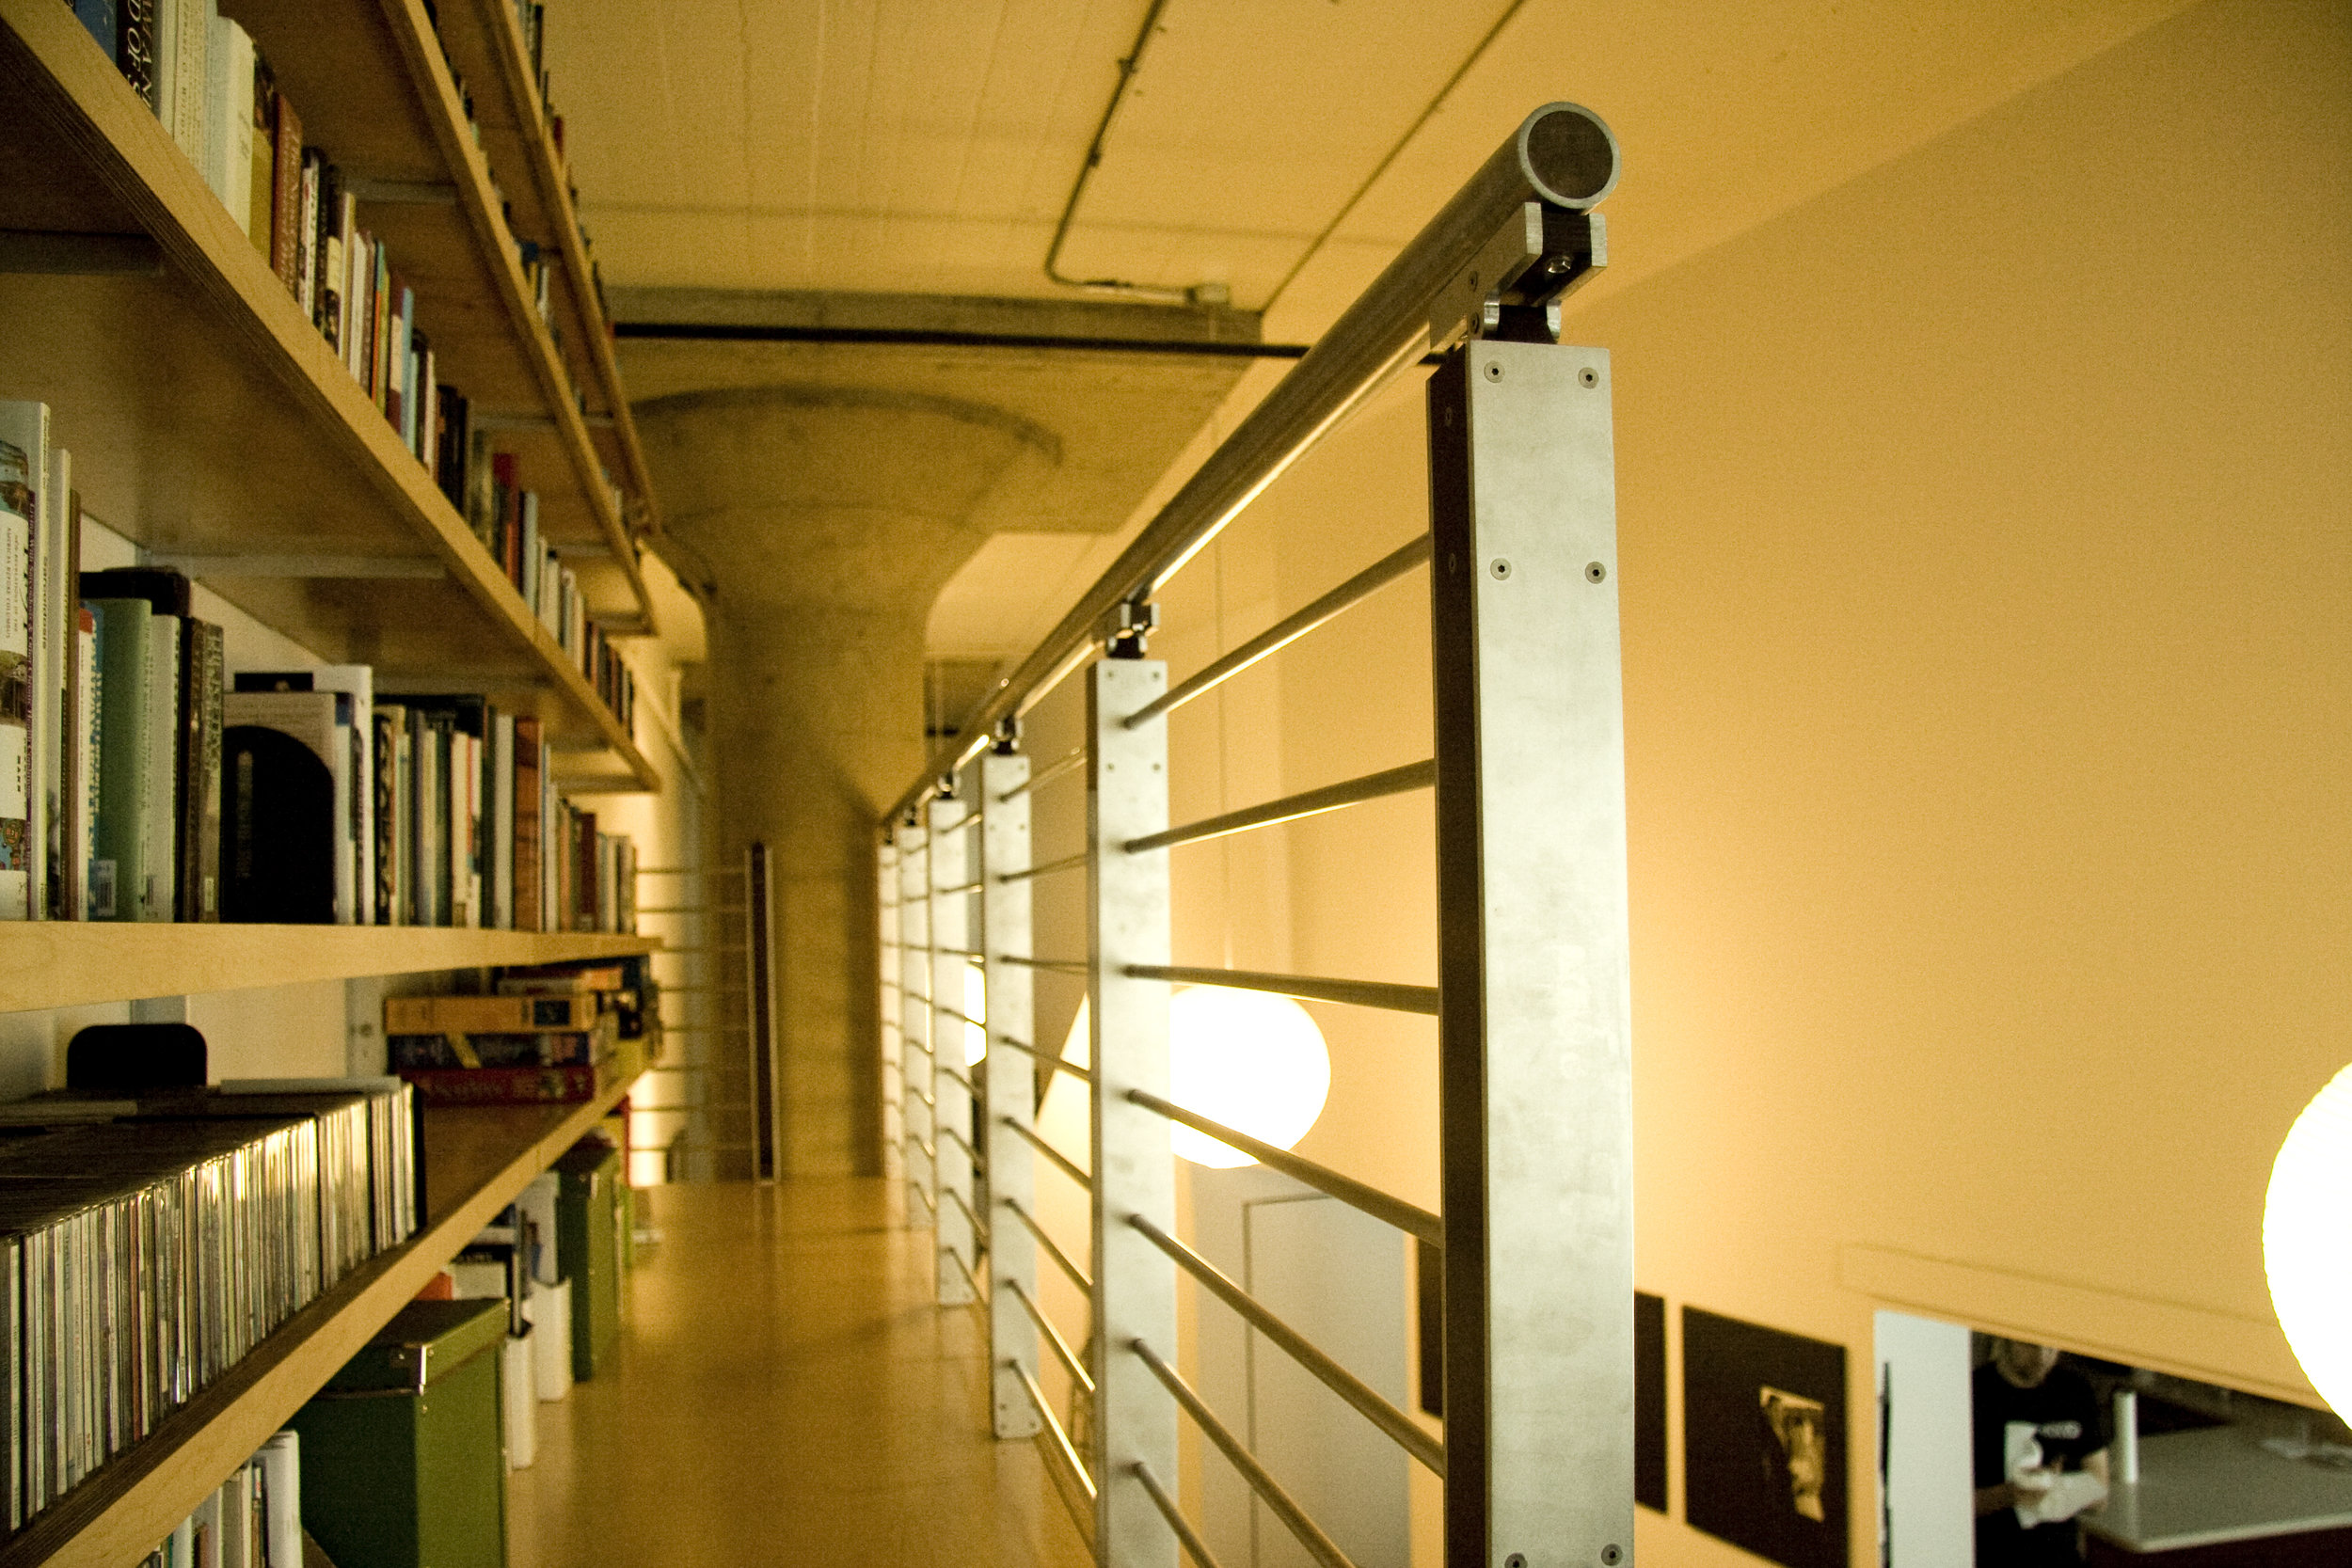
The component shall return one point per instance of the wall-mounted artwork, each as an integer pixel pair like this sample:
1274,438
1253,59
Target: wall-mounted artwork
1764,1440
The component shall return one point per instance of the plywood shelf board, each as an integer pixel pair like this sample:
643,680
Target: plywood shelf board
211,419
477,1161
64,963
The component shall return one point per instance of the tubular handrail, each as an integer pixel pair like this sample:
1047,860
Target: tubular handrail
1319,1545
1061,1161
1057,966
1059,1064
1194,1546
1410,1218
1307,988
1290,808
1366,1400
1053,1423
1067,862
980,1229
1078,1277
951,952
961,1016
1286,632
973,886
980,1160
924,1195
1384,331
1068,1357
979,1297
1069,762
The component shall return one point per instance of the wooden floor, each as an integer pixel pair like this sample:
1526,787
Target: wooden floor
786,1393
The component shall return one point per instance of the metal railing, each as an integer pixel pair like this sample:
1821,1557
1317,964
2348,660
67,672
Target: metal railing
1531,1003
714,1105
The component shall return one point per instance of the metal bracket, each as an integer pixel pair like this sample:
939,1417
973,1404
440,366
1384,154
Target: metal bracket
1512,289
1127,628
1004,738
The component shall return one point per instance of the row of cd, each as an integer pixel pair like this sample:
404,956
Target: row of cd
147,1245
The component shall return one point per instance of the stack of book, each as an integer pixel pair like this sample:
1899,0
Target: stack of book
147,1245
154,786
557,1034
253,1521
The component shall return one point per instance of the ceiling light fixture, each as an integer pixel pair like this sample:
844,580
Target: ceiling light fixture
2304,1248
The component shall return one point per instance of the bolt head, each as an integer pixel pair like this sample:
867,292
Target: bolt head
1494,372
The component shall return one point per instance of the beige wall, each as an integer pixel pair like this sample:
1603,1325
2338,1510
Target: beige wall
1987,584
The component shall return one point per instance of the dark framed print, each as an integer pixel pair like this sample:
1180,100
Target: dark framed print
1764,1440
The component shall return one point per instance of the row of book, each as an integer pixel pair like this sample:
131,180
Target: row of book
147,1245
548,1035
506,517
254,1520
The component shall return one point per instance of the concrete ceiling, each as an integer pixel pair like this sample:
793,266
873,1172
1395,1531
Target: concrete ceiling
1283,148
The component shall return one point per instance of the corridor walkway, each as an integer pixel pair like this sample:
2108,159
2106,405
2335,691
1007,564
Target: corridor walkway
786,1394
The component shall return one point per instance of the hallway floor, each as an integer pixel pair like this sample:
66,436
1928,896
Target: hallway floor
786,1393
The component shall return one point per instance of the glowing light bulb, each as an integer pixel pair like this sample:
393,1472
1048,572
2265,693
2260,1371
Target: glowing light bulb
2305,1221
1252,1061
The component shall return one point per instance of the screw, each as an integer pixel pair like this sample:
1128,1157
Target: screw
1613,1554
1499,567
1494,372
1557,266
1595,572
1517,1560
1588,376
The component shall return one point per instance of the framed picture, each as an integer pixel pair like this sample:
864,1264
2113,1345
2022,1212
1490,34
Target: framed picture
1649,1400
1764,1440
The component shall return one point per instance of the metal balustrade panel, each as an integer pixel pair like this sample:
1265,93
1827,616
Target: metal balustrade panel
893,1121
1008,1088
950,842
1134,1285
1535,1032
914,1016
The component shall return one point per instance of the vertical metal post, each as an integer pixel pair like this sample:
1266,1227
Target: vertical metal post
1010,1084
759,999
893,1114
1134,1284
1535,1063
951,923
915,1017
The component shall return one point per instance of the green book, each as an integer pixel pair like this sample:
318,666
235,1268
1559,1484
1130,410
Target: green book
117,873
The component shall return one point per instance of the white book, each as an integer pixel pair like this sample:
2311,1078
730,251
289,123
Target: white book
280,1463
469,825
24,474
548,847
236,1519
533,555
228,118
191,76
503,818
159,893
81,731
167,64
54,608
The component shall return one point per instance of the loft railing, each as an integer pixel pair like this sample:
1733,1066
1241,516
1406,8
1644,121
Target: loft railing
1535,1122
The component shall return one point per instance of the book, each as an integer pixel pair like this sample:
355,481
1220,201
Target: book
355,685
278,828
565,979
22,478
202,718
82,778
388,792
159,784
512,1085
530,827
320,721
118,857
447,1051
263,196
57,549
437,1015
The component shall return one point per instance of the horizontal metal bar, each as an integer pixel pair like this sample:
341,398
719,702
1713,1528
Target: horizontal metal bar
1059,966
953,952
1361,1395
1319,1545
966,1145
1412,1220
693,871
979,1297
946,1072
929,1152
1290,808
1053,1424
912,337
960,887
961,1016
924,1195
979,1227
1062,1351
702,991
1286,632
693,908
1069,762
1059,1064
1385,330
1078,1277
1194,1546
1307,988
1067,862
1060,1160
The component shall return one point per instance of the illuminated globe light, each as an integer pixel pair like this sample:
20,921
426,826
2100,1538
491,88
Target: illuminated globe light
2307,1241
974,1006
1252,1061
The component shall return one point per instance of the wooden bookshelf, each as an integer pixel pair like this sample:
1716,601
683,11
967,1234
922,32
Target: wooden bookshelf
211,424
72,963
476,1161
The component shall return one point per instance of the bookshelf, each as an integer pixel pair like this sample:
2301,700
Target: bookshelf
211,424
476,1161
75,963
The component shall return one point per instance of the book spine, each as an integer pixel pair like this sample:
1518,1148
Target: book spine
305,235
261,192
202,697
381,303
134,47
503,1086
381,816
290,201
157,894
81,793
528,904
99,18
117,865
16,684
